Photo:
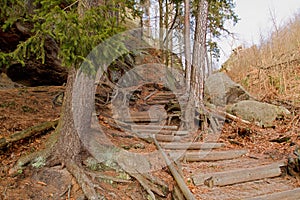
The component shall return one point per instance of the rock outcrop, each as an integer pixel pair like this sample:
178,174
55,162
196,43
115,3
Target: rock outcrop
220,90
262,113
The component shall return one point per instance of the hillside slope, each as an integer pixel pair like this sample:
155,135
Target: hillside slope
271,70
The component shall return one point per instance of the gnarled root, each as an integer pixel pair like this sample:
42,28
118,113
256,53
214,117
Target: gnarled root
83,180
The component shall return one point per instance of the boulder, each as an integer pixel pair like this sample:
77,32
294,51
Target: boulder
220,90
263,114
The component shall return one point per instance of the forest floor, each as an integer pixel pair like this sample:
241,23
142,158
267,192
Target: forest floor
22,107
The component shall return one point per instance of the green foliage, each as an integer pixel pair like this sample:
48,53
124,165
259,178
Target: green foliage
220,12
59,20
11,11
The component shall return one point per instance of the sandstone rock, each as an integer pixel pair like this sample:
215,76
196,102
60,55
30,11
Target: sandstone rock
220,90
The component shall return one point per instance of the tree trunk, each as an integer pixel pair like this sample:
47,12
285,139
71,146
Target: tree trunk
199,53
195,100
69,145
161,24
187,44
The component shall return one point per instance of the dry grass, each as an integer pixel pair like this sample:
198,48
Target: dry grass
271,71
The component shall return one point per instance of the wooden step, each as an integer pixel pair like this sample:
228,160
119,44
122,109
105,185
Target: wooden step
285,195
163,96
157,102
153,127
209,156
161,138
141,119
239,175
162,132
192,146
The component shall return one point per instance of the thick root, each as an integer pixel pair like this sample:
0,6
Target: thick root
83,180
39,158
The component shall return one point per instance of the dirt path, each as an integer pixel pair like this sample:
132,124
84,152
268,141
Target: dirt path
21,108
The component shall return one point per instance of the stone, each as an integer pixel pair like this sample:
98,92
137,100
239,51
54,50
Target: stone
262,113
220,90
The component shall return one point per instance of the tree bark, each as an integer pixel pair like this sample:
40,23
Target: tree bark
187,44
196,77
68,146
199,53
161,23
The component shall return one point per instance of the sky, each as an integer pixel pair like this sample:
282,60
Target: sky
256,21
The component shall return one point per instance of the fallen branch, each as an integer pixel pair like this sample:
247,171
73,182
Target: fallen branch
30,132
181,184
222,114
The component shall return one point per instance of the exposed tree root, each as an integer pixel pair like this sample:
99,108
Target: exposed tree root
29,132
99,175
38,157
149,184
83,180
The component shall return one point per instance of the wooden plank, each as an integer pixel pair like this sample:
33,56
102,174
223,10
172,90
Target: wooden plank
163,132
161,138
142,119
158,102
192,146
208,156
153,127
168,138
214,155
149,131
163,97
285,195
239,175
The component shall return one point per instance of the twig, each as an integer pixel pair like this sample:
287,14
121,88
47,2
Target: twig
230,116
69,6
68,189
150,95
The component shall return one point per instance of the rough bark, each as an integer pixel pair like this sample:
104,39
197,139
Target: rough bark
68,146
199,53
195,101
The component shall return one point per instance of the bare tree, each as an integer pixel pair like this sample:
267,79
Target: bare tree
199,52
187,43
196,77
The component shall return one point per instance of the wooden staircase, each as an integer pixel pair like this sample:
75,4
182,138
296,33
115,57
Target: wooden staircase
215,171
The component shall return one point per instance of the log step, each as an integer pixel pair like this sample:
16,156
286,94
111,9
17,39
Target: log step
239,175
285,195
164,97
192,146
158,102
162,132
208,156
161,138
153,127
141,119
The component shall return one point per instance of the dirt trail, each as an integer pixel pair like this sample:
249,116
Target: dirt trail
21,108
